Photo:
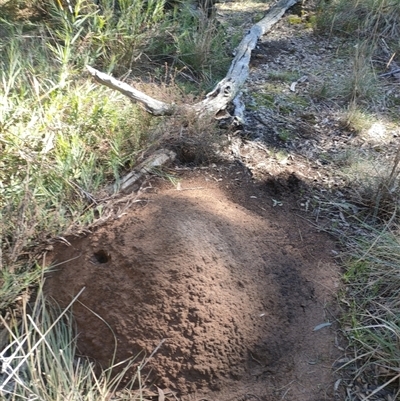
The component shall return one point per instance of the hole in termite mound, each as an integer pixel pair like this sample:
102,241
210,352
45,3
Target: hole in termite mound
102,256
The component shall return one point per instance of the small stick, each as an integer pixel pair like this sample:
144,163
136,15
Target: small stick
387,74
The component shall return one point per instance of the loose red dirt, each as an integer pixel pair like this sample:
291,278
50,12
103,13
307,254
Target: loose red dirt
226,271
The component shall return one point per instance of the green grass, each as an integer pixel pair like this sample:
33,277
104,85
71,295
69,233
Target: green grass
196,47
366,222
62,140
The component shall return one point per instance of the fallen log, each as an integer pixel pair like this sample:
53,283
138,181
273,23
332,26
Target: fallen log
224,92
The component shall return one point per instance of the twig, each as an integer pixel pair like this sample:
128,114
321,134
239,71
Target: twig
382,387
190,189
252,396
391,73
152,354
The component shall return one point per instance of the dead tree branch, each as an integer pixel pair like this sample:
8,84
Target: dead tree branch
151,105
225,91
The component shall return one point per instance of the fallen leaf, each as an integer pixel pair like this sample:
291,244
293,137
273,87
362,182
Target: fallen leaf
161,395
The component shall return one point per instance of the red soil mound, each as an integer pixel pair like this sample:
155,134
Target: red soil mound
232,284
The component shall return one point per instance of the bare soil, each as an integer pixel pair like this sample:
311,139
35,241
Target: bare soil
232,284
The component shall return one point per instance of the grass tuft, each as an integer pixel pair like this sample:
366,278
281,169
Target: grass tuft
372,297
194,45
40,360
370,30
373,184
363,18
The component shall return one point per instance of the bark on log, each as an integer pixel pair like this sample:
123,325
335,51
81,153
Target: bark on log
225,91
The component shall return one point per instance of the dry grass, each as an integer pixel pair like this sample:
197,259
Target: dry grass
40,362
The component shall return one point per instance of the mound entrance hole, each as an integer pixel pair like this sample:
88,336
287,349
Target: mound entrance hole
102,256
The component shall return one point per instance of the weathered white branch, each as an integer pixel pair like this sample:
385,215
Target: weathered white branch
225,91
239,117
151,105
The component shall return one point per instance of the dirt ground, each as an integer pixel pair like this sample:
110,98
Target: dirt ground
226,272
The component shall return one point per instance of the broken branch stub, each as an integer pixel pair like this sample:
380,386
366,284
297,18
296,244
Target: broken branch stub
224,92
129,182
